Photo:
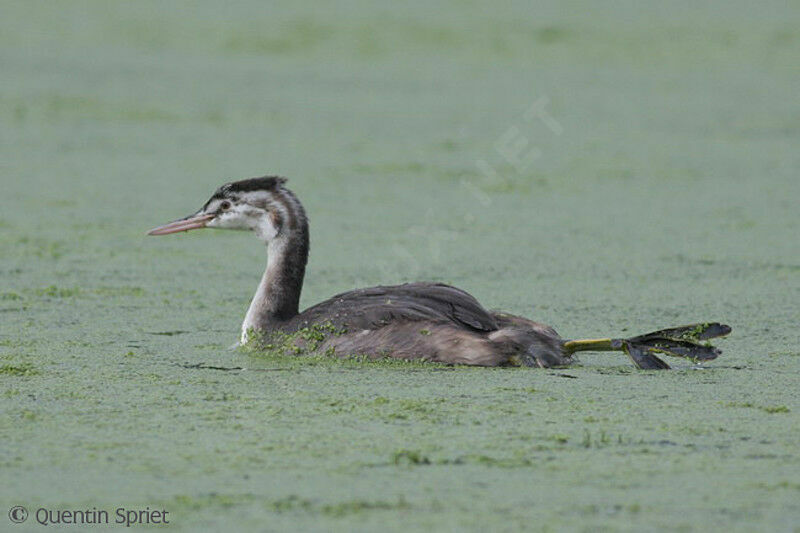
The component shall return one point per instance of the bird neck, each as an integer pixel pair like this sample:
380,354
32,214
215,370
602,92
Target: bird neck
277,298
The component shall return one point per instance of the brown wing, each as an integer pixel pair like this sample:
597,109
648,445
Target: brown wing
376,307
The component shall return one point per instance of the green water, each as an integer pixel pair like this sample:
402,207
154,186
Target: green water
660,187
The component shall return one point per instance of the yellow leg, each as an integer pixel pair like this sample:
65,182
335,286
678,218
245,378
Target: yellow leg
593,345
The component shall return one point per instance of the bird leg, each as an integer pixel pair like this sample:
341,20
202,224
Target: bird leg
682,341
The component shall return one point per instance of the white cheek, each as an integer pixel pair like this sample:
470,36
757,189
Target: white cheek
236,218
265,229
229,220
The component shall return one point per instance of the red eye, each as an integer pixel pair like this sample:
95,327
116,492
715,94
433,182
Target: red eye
225,205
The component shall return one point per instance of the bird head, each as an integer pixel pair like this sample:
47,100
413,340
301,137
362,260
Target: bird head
261,205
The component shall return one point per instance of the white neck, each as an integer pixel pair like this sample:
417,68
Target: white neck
278,294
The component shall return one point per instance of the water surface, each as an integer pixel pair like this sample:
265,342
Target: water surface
607,170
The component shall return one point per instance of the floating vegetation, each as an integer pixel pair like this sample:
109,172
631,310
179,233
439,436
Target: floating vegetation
766,408
304,341
12,296
23,369
57,292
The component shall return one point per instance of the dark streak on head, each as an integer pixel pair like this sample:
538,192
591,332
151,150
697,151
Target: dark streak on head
230,190
265,183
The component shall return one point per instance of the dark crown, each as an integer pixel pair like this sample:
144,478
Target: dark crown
265,183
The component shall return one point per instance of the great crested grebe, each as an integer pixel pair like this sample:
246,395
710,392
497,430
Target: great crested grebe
428,321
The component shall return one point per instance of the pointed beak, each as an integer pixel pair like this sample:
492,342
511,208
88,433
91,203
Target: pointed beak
184,224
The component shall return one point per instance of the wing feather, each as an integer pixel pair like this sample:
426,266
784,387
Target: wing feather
375,307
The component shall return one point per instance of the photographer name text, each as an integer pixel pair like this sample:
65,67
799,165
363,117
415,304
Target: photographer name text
121,516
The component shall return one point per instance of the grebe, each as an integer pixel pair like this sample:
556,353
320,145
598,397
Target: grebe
428,321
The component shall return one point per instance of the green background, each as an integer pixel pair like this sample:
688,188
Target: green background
665,193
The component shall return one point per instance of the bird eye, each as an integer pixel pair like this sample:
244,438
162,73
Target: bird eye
225,205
